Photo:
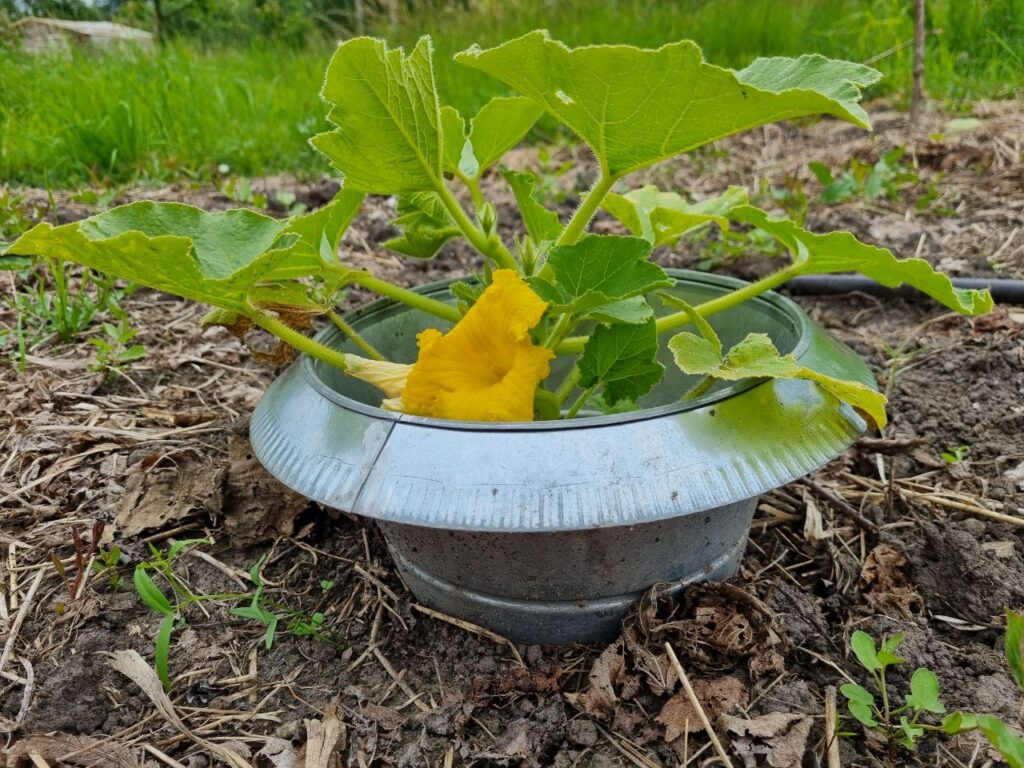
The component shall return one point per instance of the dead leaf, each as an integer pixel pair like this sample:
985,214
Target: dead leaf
887,589
257,507
608,673
52,746
387,718
776,740
717,696
168,492
276,753
814,525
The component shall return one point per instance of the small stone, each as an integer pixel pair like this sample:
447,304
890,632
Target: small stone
582,733
487,665
534,655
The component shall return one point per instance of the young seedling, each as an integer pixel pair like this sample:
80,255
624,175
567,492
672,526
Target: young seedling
114,349
955,454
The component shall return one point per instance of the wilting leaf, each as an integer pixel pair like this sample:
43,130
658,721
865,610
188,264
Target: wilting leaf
499,125
622,359
756,357
662,218
636,106
384,104
842,252
599,270
541,223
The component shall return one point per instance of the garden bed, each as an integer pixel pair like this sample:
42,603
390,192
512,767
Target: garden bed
889,538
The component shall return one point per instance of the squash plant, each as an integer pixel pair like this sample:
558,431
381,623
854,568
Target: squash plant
633,108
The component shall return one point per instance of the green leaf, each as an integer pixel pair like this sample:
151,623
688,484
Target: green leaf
633,311
499,125
162,651
1014,644
426,225
541,223
924,692
150,593
887,653
857,693
636,106
621,357
911,733
384,104
13,263
841,252
175,549
662,218
598,270
863,713
957,722
1003,738
756,357
216,258
863,647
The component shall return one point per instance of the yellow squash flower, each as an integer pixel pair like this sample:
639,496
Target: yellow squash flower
486,368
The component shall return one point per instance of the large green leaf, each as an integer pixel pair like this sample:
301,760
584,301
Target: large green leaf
637,106
499,125
384,104
599,270
662,218
426,225
842,252
541,223
756,357
622,359
216,258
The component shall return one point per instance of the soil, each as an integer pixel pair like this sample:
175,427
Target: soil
160,454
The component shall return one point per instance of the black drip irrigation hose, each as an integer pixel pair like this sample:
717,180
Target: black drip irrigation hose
1003,291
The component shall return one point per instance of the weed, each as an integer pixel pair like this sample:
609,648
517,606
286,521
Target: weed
83,555
238,189
889,176
107,563
955,454
114,349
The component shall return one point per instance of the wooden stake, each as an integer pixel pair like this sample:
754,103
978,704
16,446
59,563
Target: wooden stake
831,737
917,94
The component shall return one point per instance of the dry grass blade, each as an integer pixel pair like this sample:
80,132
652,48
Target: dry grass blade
692,696
133,666
20,619
476,630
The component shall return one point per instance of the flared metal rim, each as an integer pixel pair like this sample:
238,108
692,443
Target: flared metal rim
310,372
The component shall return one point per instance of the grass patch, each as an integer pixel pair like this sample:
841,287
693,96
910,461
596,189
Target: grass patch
79,119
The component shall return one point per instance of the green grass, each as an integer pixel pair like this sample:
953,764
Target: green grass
181,113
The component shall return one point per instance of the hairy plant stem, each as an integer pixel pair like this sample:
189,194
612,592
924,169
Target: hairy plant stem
473,185
578,223
354,335
562,328
574,344
489,245
568,385
296,339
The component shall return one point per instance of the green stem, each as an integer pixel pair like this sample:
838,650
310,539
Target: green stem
489,246
885,694
353,334
561,329
575,407
567,386
578,223
574,345
404,295
298,340
473,185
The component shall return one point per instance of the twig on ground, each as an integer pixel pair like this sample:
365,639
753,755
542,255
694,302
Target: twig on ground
20,619
698,708
413,696
841,505
831,737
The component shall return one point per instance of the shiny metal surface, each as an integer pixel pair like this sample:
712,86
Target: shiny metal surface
546,531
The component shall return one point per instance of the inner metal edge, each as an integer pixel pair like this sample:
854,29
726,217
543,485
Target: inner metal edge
791,310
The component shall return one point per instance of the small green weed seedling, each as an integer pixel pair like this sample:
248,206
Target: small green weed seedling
923,699
268,613
114,349
238,189
898,724
889,177
955,454
107,562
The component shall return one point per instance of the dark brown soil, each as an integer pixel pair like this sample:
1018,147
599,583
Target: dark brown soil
160,453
